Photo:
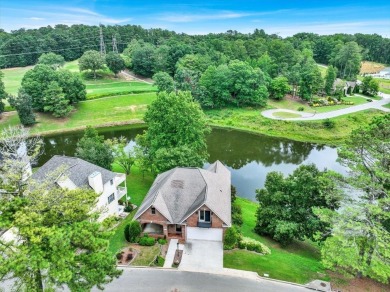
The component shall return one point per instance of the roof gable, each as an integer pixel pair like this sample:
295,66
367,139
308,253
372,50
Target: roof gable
75,169
179,192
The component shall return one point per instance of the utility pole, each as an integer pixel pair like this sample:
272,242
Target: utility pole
102,45
114,47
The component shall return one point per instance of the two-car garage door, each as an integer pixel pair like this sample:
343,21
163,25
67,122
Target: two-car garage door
204,233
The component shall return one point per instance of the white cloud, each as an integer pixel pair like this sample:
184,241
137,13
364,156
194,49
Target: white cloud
36,18
211,15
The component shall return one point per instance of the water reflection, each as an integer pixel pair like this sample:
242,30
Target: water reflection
249,157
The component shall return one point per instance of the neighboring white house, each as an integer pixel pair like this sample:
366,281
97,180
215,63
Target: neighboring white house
77,173
21,157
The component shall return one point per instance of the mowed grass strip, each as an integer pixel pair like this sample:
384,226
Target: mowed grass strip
299,262
106,111
116,86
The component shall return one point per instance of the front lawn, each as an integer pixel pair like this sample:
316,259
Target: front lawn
299,262
146,254
289,103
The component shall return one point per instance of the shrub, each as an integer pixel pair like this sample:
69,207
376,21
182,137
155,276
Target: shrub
253,245
236,214
301,109
128,208
162,241
132,231
369,100
119,255
329,124
147,241
231,238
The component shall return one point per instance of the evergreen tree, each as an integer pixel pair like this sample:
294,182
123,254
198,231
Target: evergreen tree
330,77
55,101
23,105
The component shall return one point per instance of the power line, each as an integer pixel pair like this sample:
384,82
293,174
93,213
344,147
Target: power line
114,47
41,52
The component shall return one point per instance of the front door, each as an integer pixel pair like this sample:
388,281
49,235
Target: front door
178,228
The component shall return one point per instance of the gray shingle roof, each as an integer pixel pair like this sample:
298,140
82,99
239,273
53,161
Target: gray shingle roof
76,169
179,192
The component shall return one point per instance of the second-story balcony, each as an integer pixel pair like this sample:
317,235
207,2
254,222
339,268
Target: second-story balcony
122,191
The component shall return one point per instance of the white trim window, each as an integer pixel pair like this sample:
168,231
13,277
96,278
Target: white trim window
111,198
204,216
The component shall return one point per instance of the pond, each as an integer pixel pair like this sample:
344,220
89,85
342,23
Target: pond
248,156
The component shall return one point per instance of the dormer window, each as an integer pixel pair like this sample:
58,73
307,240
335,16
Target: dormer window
153,210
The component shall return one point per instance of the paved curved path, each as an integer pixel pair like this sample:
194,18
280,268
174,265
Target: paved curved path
375,104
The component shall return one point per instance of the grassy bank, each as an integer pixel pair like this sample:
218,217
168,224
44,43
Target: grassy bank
249,119
299,262
111,110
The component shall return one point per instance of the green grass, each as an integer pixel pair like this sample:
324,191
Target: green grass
384,85
146,255
249,119
105,87
286,115
355,99
13,78
299,263
137,187
290,104
387,105
322,70
106,111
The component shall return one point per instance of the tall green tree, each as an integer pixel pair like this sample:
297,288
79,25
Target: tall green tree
115,62
310,79
124,157
285,204
57,244
370,85
347,58
164,82
143,60
360,234
55,101
3,94
330,77
176,134
92,147
51,59
91,60
23,105
279,87
37,80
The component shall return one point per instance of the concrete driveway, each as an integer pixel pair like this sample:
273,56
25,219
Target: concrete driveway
202,256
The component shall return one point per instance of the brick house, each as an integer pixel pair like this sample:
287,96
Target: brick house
188,203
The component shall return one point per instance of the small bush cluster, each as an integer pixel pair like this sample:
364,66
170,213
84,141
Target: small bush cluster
328,102
132,231
146,241
301,109
231,238
253,245
128,208
162,241
329,124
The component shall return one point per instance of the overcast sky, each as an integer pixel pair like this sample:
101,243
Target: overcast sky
201,17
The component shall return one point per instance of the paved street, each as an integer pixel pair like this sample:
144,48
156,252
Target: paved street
375,104
179,281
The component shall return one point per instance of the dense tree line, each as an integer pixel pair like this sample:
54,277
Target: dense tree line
24,46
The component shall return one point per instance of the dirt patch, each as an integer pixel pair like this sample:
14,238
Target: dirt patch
126,256
132,108
371,67
344,284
